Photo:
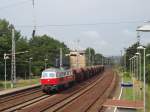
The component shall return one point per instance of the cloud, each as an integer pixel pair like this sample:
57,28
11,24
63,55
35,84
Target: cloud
106,38
93,39
129,32
91,34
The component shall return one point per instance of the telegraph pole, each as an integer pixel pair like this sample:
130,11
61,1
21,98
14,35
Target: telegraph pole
89,57
13,60
60,58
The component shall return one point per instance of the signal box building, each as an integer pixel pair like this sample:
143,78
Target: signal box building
77,59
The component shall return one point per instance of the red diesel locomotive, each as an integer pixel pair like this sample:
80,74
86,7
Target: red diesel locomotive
54,78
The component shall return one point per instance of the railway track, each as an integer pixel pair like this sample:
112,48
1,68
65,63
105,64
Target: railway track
12,104
58,106
15,102
97,106
59,97
19,94
69,100
90,96
36,101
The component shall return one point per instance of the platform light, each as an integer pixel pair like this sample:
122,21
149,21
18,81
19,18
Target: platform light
144,91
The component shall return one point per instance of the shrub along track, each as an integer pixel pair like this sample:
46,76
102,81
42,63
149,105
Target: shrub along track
77,99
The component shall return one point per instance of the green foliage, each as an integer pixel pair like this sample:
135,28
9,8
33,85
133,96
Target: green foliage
148,73
92,57
98,59
131,52
90,53
126,74
5,43
39,47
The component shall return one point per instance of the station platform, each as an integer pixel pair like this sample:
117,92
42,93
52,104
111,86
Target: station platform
11,90
124,104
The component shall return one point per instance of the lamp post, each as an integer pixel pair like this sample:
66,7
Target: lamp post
131,66
139,54
13,69
134,66
137,66
30,66
140,74
5,58
144,28
133,72
125,59
144,91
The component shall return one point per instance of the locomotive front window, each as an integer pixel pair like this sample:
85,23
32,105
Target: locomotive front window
48,75
51,74
44,75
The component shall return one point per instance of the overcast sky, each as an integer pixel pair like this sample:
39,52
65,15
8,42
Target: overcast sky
106,25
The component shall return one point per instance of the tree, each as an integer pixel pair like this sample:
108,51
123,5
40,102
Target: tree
90,53
5,43
130,52
45,47
98,58
39,47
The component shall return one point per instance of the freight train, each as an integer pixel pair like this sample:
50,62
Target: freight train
56,79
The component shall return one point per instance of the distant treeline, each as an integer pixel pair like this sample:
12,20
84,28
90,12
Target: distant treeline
130,52
39,47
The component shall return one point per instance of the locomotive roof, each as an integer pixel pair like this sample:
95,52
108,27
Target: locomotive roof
54,70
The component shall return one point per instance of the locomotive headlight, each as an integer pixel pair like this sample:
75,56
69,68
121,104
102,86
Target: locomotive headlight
48,80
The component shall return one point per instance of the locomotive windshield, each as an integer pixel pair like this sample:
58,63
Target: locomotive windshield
48,75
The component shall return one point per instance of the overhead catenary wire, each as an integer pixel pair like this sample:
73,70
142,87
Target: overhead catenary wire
82,24
14,4
34,26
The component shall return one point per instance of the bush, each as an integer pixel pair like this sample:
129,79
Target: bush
1,85
126,74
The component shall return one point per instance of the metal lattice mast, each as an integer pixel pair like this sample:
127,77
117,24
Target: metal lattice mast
34,19
13,60
138,37
60,58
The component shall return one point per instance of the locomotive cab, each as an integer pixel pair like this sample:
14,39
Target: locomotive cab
54,79
47,77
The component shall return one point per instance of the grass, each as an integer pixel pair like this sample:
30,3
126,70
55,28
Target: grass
148,97
128,93
20,83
